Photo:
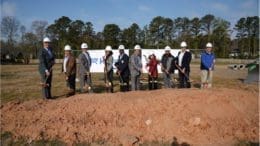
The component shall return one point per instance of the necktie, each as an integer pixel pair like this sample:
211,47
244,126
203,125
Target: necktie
49,52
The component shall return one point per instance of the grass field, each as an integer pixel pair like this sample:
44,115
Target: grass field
22,82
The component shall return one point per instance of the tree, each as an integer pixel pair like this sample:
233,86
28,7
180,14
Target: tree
76,32
156,29
182,28
207,24
221,37
89,34
39,29
248,35
195,31
9,29
111,35
28,46
168,30
131,36
22,31
59,32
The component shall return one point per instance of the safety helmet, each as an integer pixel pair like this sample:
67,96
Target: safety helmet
108,48
121,47
46,39
84,45
183,44
137,47
67,48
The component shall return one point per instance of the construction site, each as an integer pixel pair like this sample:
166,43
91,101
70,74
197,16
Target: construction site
226,114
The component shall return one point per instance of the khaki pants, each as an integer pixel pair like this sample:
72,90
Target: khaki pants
206,78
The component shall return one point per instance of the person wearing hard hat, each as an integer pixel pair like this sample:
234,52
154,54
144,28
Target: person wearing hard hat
167,67
152,72
183,65
46,62
108,69
207,66
84,69
123,69
69,69
136,68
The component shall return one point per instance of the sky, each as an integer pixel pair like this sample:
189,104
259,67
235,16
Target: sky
125,12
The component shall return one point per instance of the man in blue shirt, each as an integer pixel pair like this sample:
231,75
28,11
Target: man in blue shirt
207,67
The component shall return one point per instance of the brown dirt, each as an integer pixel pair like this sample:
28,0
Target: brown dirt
197,117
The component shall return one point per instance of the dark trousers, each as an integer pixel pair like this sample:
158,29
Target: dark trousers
184,81
71,83
124,83
110,81
152,82
46,90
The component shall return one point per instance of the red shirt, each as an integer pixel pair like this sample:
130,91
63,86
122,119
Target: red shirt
153,67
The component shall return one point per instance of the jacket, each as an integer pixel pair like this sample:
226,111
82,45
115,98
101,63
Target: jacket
207,61
46,61
71,66
122,65
135,65
152,64
185,60
109,63
84,64
168,63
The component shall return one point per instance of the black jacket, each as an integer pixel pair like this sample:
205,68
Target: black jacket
164,61
185,60
45,60
122,65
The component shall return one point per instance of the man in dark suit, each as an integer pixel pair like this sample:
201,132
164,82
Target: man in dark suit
123,69
46,62
183,64
69,68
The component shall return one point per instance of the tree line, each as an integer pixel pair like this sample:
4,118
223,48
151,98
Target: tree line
161,31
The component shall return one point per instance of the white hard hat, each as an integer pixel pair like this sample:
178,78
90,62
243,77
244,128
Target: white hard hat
108,48
46,39
84,45
209,45
183,44
167,48
137,47
121,47
67,48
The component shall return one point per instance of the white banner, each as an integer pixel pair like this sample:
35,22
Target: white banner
98,64
97,59
158,53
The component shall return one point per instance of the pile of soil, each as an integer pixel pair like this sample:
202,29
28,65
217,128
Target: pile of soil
197,117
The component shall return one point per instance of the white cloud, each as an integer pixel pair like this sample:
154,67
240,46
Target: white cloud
248,4
220,7
8,9
144,8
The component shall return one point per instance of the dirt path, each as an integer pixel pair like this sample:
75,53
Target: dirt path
197,117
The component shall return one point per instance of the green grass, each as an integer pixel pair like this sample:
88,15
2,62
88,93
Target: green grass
22,82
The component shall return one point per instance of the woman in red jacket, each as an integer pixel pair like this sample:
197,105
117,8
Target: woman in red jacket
152,72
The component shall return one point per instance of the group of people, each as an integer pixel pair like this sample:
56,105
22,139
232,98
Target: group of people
126,68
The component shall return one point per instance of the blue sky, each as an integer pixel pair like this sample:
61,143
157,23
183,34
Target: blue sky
125,12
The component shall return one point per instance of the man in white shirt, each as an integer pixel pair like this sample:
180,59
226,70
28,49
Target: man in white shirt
183,64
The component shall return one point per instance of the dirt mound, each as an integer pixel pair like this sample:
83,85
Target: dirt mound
198,117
